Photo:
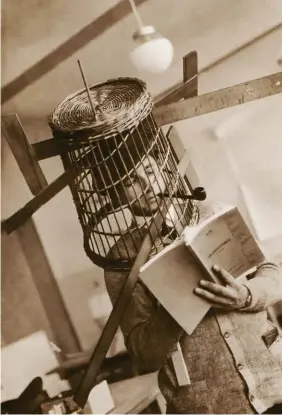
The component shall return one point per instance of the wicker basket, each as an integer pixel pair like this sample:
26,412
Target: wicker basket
103,151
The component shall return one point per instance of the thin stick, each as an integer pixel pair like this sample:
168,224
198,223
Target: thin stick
86,87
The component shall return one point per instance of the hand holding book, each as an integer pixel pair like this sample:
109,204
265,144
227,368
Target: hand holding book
230,294
173,276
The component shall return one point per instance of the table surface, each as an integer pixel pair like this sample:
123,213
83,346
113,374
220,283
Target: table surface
134,395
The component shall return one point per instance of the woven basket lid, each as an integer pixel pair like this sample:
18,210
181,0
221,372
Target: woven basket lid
120,104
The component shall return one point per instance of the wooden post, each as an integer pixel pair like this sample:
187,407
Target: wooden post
32,248
23,153
190,75
189,87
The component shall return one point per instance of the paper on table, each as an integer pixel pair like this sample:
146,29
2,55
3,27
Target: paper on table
26,359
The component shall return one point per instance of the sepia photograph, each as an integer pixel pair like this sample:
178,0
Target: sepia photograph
141,207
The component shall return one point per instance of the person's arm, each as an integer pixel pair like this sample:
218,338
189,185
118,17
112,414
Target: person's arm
150,333
265,287
262,290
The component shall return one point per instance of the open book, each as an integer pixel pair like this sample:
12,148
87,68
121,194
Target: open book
172,275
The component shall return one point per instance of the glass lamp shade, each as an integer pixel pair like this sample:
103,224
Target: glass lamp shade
152,54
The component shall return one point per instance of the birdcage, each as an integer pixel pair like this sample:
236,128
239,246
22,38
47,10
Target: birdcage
122,167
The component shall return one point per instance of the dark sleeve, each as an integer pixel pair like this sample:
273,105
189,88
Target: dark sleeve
150,333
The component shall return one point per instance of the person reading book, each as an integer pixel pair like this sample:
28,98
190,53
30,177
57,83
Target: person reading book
233,357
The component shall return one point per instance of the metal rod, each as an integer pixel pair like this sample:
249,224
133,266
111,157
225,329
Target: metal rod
86,87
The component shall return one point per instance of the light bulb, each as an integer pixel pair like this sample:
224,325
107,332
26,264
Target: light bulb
153,53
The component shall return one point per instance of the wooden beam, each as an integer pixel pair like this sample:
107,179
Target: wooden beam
27,234
199,105
20,216
47,288
45,149
23,152
189,87
68,48
219,100
190,74
47,193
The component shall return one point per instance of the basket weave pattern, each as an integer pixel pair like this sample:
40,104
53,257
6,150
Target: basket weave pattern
103,151
120,104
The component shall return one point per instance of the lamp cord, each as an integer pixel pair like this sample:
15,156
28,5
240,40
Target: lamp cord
135,12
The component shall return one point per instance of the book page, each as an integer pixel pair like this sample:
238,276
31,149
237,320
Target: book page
227,242
172,278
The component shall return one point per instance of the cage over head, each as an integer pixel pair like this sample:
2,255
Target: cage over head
121,164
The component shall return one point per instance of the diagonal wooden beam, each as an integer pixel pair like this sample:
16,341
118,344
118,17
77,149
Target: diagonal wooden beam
23,152
192,107
29,239
16,220
219,100
68,48
189,86
166,114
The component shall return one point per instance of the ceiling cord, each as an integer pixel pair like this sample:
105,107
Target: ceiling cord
135,12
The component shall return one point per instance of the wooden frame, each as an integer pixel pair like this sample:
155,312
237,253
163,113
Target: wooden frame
29,239
167,111
164,114
219,100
